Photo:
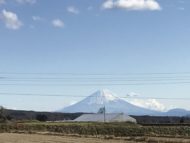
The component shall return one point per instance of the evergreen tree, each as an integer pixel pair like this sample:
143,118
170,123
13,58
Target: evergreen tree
2,115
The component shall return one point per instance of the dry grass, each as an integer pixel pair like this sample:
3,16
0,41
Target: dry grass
41,138
34,138
92,133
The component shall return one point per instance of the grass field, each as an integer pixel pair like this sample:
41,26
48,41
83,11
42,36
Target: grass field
99,132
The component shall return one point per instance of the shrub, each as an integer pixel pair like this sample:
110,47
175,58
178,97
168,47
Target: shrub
41,118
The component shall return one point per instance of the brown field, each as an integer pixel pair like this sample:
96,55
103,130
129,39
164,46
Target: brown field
68,132
40,138
34,138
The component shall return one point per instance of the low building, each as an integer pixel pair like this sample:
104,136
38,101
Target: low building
114,117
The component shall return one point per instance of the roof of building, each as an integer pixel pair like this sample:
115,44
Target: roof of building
113,117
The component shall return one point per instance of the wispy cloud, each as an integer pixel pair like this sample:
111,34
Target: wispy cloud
26,1
2,2
90,8
37,18
132,4
145,103
72,10
149,103
58,23
19,1
11,20
181,8
181,1
133,94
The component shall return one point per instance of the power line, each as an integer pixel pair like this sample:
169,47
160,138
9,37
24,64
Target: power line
96,78
79,96
129,78
92,84
30,94
91,74
92,79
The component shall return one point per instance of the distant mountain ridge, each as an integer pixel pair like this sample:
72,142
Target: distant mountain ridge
177,112
114,104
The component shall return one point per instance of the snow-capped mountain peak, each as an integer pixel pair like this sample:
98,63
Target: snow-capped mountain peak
100,97
103,96
113,104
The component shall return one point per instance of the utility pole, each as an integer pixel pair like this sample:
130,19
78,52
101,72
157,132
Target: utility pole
104,114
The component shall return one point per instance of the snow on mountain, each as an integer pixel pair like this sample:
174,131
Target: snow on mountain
113,104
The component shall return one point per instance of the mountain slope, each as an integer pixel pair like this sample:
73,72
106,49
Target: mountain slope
177,112
113,104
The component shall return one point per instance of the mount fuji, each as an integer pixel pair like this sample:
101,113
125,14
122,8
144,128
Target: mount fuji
112,103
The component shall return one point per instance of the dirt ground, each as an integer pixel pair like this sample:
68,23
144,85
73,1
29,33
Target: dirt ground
40,138
34,138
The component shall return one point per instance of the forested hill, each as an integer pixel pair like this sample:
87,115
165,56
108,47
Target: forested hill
54,116
32,115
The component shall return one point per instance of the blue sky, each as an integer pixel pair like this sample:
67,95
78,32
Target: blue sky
115,37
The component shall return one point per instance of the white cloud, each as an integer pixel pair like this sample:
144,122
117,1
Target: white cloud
149,103
109,4
11,20
133,94
90,8
2,2
58,23
181,8
72,10
20,1
181,1
26,1
37,18
132,4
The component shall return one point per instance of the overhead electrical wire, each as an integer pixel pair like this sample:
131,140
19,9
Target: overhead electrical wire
95,78
90,81
79,96
82,79
93,84
91,74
